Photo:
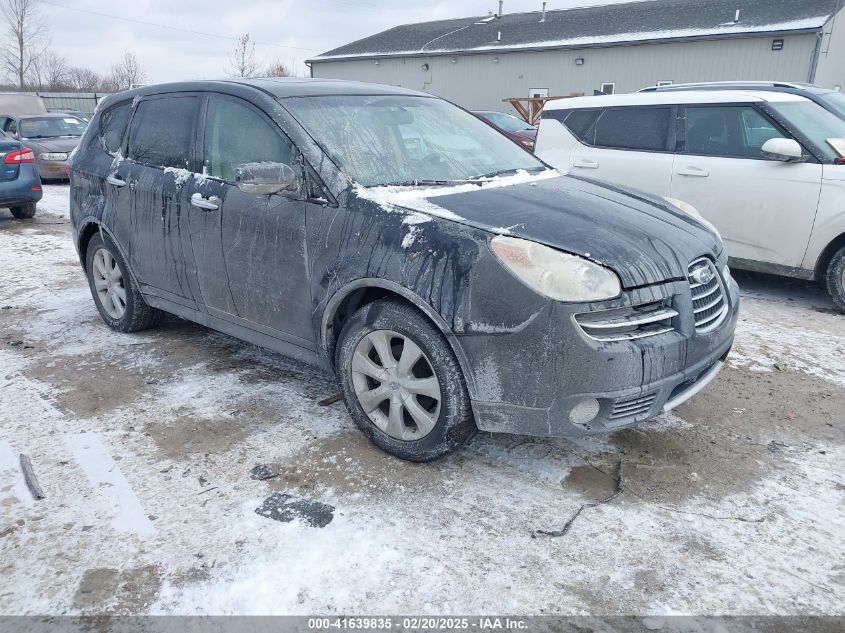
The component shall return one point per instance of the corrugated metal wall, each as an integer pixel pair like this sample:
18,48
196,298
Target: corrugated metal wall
481,81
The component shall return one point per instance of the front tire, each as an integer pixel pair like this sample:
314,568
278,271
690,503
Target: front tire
401,382
835,278
115,293
24,211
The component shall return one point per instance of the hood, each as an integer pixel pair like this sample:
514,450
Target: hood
52,144
642,238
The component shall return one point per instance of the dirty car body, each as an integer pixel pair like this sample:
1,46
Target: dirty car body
291,270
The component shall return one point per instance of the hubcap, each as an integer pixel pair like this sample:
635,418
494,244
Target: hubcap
108,281
396,385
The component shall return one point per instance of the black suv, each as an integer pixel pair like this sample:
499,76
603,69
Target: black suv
451,279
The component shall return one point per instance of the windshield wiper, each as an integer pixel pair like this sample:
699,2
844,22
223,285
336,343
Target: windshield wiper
509,172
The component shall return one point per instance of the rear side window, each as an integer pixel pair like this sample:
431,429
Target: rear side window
580,122
643,129
236,134
113,125
162,132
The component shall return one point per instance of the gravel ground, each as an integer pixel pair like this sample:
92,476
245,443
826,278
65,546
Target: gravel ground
145,446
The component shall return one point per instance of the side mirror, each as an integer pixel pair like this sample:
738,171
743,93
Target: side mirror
265,178
782,149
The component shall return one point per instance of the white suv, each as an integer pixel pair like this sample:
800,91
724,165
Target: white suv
766,168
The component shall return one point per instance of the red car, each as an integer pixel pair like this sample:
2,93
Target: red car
513,127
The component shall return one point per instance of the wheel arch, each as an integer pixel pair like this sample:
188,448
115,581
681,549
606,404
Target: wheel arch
827,254
88,229
91,227
360,292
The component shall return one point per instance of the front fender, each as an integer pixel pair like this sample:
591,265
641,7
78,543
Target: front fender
345,291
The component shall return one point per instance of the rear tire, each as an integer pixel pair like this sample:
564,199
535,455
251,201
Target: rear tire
24,211
115,292
391,357
835,278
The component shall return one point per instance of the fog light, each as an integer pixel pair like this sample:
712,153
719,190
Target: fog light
585,411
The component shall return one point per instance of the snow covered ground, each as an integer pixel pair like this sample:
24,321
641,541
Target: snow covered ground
144,445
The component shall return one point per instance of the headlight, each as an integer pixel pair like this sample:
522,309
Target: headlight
556,275
53,156
726,273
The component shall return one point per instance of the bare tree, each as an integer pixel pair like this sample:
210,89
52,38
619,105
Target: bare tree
50,71
84,79
25,30
126,73
242,63
279,69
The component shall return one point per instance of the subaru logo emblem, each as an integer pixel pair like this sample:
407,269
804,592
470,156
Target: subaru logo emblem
702,275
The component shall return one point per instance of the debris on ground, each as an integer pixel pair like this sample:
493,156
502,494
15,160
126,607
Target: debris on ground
285,508
620,488
330,400
260,472
30,479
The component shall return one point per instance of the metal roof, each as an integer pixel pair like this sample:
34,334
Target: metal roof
606,25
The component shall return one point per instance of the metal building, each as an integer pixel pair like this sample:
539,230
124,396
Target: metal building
477,62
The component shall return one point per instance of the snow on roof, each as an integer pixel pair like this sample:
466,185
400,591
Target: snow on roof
593,26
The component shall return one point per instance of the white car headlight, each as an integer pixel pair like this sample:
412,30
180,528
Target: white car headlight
556,275
53,156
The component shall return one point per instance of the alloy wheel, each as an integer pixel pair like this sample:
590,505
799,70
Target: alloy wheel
108,281
396,385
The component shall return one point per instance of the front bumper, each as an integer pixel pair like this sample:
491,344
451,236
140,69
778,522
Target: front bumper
619,383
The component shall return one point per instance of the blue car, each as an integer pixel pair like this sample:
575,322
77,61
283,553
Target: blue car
20,184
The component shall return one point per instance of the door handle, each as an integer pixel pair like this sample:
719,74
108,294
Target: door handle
210,204
586,164
695,172
116,181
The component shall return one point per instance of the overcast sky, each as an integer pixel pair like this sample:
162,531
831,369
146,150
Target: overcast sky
94,33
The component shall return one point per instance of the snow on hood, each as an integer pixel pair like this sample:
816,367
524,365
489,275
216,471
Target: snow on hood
417,199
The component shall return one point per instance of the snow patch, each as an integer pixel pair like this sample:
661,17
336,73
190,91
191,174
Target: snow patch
181,175
418,198
113,492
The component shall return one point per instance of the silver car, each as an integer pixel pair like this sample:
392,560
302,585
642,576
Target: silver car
51,136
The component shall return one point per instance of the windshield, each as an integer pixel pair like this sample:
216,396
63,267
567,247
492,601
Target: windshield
824,129
46,127
507,122
835,101
404,140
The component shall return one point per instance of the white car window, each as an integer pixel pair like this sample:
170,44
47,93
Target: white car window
728,131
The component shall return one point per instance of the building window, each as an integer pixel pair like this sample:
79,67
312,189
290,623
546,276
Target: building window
777,45
665,82
608,88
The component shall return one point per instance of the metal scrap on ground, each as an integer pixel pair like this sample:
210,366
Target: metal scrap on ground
31,480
